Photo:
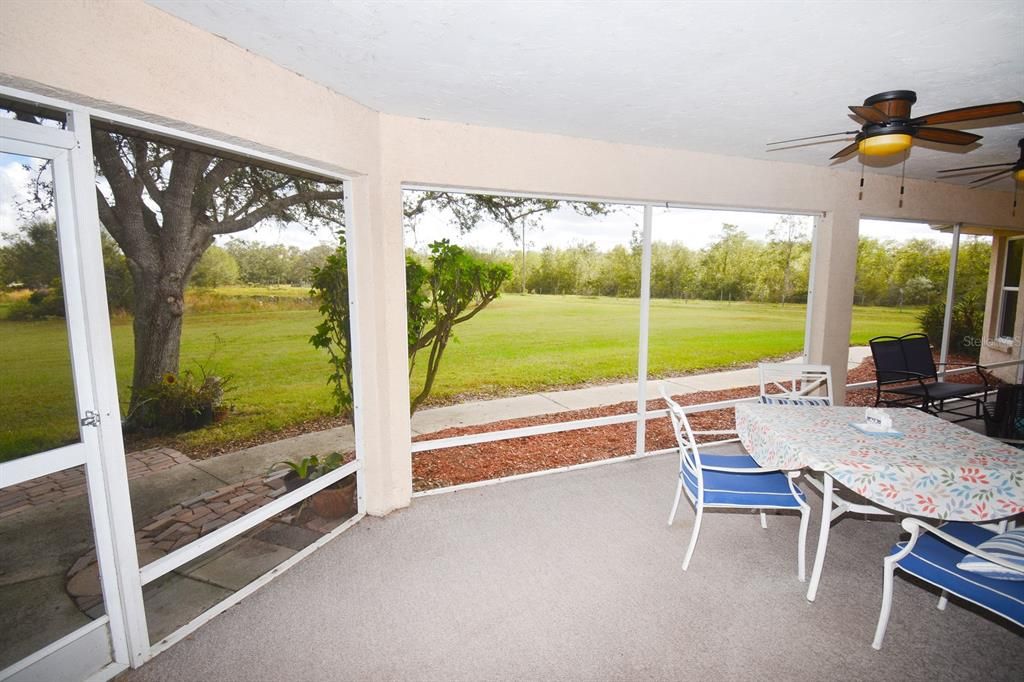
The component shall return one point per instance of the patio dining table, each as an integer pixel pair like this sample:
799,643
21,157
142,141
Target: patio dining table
932,468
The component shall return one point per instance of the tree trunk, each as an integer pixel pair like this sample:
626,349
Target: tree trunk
159,304
160,282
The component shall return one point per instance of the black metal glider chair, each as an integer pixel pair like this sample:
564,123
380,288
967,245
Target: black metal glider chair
905,368
1004,419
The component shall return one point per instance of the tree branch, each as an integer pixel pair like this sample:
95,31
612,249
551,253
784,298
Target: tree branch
143,169
215,177
272,208
113,168
108,217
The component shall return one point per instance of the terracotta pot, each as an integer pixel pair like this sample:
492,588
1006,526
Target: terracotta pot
336,502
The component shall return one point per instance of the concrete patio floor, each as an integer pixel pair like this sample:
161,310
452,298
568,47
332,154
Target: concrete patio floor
577,576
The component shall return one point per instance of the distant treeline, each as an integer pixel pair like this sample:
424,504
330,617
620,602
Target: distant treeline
738,267
245,262
734,267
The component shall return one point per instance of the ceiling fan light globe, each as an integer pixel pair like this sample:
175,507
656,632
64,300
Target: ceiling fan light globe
883,145
1018,175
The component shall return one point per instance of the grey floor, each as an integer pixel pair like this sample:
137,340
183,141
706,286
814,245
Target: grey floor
576,576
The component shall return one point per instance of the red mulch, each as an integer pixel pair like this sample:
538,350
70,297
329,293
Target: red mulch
484,461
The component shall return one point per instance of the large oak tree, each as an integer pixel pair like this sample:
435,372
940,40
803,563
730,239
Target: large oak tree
165,206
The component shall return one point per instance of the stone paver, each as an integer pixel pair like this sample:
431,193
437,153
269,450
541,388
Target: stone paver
248,559
71,482
232,566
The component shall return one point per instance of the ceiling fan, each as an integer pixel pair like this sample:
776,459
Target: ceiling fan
888,127
1016,168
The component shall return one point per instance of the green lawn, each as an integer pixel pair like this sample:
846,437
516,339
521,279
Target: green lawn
518,344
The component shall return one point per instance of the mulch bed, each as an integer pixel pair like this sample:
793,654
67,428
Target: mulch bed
454,466
485,461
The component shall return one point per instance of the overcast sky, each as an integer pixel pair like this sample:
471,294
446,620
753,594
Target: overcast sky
694,228
14,189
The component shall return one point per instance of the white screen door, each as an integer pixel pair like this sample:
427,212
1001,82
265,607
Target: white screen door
50,442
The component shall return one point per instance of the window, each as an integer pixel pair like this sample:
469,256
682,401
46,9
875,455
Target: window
1011,288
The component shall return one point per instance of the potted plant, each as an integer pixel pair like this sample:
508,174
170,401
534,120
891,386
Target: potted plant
335,501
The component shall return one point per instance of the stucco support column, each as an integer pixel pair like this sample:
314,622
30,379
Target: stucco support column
379,340
831,305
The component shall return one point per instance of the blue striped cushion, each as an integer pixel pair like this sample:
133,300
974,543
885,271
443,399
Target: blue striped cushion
1009,546
782,400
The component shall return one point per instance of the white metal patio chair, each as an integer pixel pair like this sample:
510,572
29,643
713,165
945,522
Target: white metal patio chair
793,384
731,481
933,554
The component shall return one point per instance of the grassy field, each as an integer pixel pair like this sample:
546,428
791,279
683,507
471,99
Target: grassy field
259,337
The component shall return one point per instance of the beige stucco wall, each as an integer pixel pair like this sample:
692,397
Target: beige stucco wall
130,57
141,60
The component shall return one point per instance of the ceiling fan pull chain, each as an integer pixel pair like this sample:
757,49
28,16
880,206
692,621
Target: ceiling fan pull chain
860,195
903,175
1013,211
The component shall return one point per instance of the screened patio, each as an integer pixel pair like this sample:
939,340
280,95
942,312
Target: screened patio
572,575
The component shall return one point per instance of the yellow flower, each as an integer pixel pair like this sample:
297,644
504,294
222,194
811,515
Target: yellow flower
169,378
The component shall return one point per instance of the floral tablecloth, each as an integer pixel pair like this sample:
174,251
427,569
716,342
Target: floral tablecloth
934,469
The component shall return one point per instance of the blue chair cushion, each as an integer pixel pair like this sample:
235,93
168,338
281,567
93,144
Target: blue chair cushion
783,400
1009,546
935,561
770,489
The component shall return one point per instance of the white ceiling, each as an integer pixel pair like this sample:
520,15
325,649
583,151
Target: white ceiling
721,77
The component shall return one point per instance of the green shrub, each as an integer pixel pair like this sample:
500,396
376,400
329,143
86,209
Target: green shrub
965,329
40,304
179,402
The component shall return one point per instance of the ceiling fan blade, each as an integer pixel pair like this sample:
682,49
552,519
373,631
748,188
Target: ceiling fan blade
993,175
871,115
946,136
969,168
971,113
852,147
815,137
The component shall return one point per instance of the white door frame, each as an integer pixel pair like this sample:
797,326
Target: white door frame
105,643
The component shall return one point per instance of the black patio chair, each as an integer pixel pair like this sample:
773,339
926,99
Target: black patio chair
1004,419
904,367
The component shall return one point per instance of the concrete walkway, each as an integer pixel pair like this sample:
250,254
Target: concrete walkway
550,402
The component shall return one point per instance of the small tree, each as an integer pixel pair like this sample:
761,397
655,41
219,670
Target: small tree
334,334
450,289
453,290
